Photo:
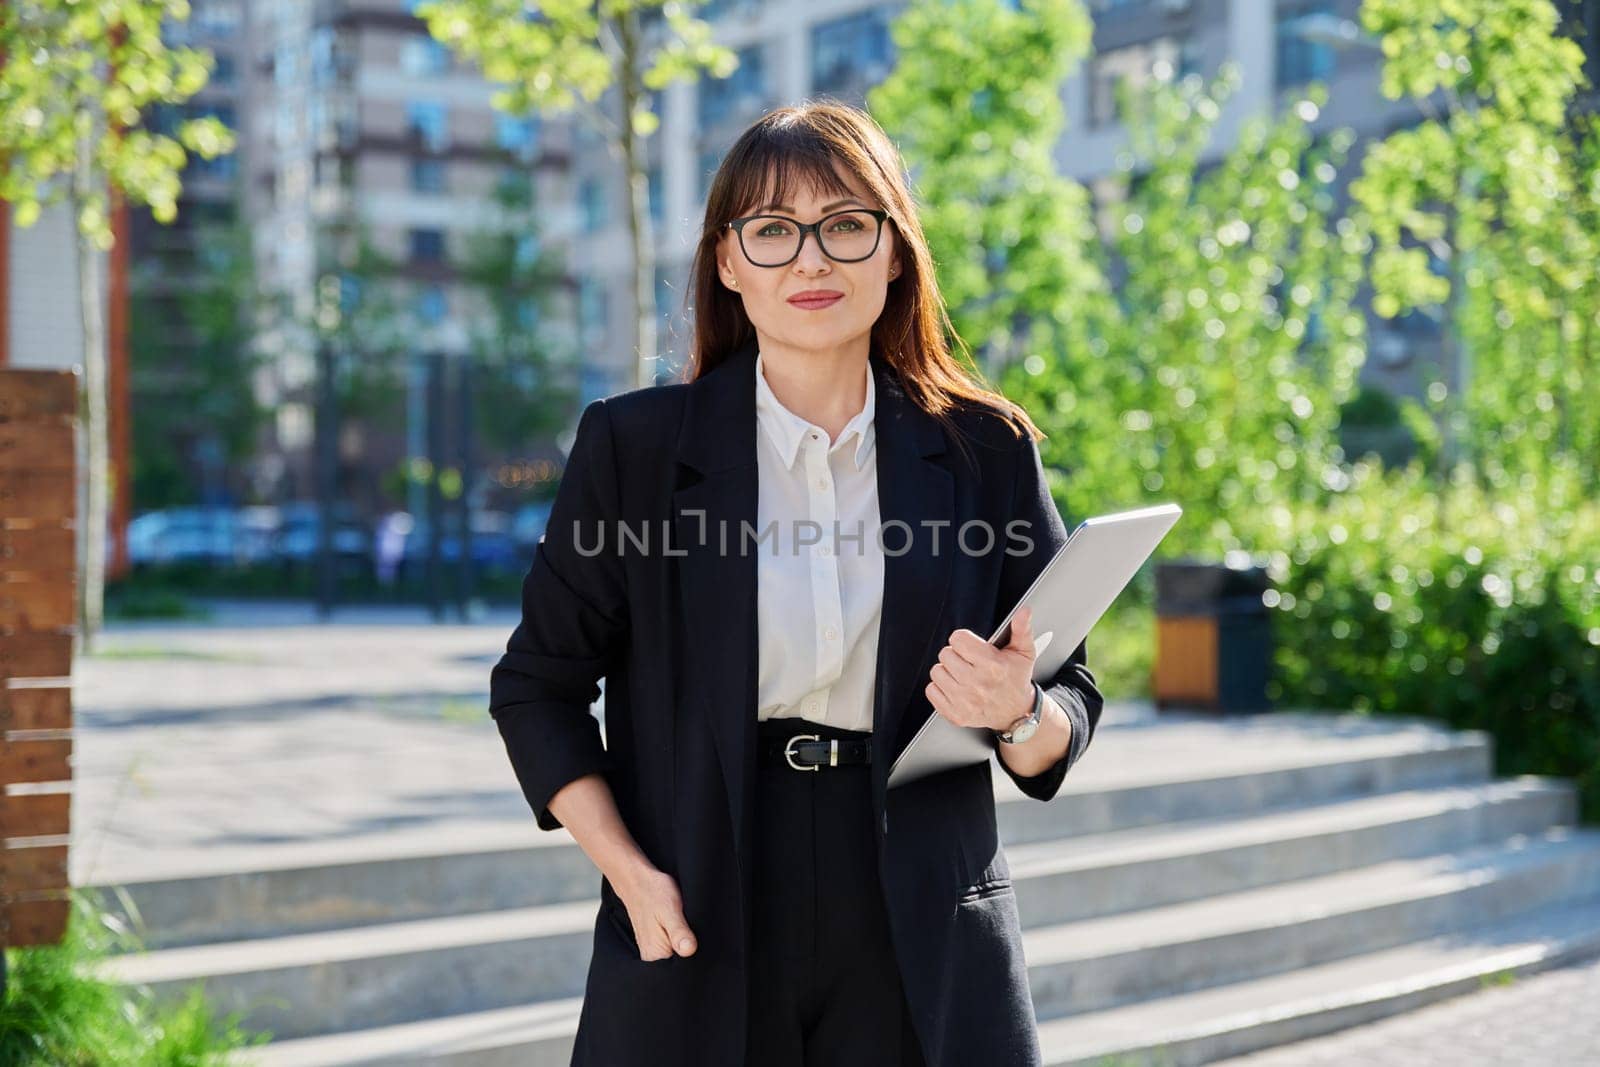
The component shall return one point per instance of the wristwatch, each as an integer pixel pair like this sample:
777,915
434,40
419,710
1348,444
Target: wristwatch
1024,727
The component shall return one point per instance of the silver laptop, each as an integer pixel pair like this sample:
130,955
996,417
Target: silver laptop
1077,586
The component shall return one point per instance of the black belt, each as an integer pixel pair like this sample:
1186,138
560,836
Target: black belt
809,752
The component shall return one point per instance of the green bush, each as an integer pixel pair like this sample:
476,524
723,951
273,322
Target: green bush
1478,606
55,1012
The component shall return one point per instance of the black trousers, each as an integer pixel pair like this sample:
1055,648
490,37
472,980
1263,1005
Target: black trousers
824,982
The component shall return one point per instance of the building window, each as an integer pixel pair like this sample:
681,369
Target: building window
286,66
424,56
427,246
217,18
431,305
851,53
1302,58
527,312
425,122
716,9
427,175
591,310
1133,66
517,135
669,298
592,200
657,210
512,182
1585,30
743,90
594,382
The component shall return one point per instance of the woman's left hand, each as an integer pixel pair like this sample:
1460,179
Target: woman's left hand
977,684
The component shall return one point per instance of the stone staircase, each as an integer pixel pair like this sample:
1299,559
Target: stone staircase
1200,888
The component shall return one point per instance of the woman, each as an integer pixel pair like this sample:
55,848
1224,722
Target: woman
765,898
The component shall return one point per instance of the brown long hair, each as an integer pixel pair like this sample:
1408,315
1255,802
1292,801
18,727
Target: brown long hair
804,143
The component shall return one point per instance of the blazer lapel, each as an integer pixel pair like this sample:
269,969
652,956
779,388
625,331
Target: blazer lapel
717,440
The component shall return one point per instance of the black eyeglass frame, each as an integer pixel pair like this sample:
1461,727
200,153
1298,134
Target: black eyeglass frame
737,225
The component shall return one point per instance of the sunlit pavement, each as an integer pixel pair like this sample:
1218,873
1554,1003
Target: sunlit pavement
1549,1019
265,738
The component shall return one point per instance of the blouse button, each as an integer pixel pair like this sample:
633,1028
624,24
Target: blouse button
830,633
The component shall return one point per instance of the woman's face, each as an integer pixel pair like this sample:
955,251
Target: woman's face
770,293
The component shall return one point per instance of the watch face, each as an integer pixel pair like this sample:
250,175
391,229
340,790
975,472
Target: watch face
1023,732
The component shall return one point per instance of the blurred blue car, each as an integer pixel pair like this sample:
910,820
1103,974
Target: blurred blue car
182,535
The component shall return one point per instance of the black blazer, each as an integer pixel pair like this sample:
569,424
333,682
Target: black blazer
668,619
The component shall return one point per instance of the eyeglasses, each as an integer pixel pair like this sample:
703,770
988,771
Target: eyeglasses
775,240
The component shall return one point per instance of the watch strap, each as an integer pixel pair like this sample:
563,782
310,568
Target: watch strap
1033,716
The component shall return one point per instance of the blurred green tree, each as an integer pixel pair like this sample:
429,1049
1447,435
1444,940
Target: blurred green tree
1483,216
75,81
524,374
1237,341
1190,335
974,105
560,57
194,361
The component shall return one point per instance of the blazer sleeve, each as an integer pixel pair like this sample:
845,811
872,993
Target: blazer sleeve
1073,686
574,621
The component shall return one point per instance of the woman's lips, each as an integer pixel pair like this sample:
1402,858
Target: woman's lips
817,302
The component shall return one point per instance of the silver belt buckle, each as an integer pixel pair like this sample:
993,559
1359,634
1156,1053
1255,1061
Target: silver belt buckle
788,752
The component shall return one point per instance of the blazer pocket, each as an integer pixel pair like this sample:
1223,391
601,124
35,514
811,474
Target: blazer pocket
617,913
983,890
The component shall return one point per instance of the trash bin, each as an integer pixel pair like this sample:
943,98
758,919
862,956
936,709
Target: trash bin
1213,637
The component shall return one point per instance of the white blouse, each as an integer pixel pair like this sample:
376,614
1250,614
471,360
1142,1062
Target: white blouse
819,566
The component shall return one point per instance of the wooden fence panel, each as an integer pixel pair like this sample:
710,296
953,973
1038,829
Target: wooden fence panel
38,569
36,815
42,602
36,708
50,550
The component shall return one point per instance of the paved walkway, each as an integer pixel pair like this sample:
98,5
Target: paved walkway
265,739
1550,1019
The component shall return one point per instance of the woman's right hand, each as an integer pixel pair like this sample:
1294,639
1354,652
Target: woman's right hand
655,908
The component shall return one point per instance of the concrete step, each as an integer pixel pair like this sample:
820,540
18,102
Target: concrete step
1085,877
529,1035
1183,767
308,984
1230,1020
1099,963
381,974
1176,1031
1246,767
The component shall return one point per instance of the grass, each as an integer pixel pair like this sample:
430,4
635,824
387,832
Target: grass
56,1012
135,602
1498,978
143,652
459,710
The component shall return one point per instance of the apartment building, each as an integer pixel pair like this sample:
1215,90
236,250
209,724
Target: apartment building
366,130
